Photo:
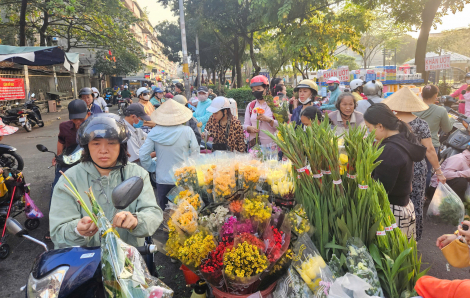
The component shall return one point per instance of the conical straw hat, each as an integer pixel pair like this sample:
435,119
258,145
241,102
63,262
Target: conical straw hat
171,113
405,100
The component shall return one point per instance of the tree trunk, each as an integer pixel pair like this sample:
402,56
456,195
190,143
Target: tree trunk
42,30
427,16
213,76
233,76
256,67
24,5
237,60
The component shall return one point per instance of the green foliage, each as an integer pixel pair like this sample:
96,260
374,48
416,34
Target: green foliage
406,48
242,96
445,88
345,60
170,35
455,40
126,63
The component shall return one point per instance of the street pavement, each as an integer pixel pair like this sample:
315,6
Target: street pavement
14,270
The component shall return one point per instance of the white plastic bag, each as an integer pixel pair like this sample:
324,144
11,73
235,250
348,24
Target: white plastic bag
349,286
446,206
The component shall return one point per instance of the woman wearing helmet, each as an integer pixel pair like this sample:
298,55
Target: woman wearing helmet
307,90
333,87
357,89
103,166
226,130
259,88
144,98
458,93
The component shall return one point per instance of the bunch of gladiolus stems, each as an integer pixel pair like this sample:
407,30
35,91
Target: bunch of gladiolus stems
351,204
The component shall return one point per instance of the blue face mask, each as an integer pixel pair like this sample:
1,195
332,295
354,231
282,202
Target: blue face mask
332,88
139,125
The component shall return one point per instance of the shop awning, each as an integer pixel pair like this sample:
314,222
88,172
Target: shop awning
39,56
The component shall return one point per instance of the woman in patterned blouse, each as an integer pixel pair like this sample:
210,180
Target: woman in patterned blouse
223,127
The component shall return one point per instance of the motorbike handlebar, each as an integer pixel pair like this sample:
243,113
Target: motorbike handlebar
147,249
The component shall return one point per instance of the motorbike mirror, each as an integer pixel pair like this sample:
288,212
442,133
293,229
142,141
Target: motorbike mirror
127,192
15,228
41,148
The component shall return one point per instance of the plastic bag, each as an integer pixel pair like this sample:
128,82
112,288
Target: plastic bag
31,210
299,221
185,217
349,286
249,175
361,264
291,285
191,197
311,266
446,206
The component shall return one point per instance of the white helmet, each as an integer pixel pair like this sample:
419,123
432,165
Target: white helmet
33,95
355,84
219,103
142,90
372,88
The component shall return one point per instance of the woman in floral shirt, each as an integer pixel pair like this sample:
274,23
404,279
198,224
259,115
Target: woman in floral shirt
223,127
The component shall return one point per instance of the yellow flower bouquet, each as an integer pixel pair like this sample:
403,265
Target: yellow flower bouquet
188,195
243,265
196,248
224,183
185,217
185,174
257,208
249,176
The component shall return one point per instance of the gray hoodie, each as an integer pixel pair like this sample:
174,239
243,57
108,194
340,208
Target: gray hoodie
172,144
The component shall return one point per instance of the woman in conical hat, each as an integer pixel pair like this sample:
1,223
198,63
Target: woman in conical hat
404,102
172,141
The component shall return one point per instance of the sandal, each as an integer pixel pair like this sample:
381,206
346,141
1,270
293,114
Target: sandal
47,237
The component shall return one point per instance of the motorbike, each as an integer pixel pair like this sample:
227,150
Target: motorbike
9,158
123,103
75,272
457,140
108,96
34,113
14,202
18,116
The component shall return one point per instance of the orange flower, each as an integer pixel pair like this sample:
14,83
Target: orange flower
258,111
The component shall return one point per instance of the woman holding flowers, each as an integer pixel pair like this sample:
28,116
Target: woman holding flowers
307,90
400,150
104,166
258,115
226,130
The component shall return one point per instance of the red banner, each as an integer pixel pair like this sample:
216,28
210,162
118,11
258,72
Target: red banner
12,89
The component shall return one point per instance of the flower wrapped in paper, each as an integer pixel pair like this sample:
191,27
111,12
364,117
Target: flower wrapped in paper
123,269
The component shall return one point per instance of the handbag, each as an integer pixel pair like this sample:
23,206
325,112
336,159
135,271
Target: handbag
223,146
457,254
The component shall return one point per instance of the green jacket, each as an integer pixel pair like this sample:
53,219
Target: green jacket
437,118
65,211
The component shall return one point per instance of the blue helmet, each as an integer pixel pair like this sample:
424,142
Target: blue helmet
158,90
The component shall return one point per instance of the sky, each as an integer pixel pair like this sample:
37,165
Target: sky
451,21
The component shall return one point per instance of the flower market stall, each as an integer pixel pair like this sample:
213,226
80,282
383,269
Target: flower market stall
304,227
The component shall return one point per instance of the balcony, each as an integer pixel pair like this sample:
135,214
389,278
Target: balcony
146,28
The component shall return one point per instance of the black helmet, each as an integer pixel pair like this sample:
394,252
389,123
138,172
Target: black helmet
105,126
85,91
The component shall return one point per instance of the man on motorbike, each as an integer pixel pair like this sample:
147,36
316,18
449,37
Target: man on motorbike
126,93
373,91
86,94
458,93
98,100
104,166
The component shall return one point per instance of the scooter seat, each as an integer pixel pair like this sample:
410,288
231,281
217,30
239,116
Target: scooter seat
13,112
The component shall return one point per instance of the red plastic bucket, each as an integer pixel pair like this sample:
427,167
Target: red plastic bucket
219,294
190,277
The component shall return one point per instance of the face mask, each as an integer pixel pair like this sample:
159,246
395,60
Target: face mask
258,94
332,88
139,124
95,95
146,97
202,98
306,101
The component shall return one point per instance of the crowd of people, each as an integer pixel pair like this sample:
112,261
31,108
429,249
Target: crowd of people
160,130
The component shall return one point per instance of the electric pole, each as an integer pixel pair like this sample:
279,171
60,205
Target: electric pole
198,63
185,51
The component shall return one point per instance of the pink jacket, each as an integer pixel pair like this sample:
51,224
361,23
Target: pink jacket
458,93
454,167
251,121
